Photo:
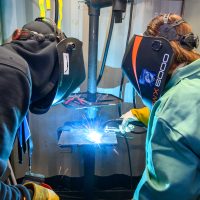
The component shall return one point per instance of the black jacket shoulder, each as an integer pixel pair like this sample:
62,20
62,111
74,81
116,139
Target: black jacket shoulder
10,58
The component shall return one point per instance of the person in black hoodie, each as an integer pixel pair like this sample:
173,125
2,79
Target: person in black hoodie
40,67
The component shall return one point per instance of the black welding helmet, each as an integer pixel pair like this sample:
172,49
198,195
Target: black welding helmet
55,61
148,58
72,71
146,63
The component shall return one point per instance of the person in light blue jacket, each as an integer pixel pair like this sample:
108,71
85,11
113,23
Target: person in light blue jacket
164,68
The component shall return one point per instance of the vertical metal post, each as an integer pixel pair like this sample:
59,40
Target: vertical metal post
1,24
94,14
89,151
93,50
89,172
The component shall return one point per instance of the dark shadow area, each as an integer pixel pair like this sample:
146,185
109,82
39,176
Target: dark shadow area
115,186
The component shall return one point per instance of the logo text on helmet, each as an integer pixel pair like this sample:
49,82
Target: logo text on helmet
162,69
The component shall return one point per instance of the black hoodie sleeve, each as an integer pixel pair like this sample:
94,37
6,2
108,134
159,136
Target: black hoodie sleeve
15,94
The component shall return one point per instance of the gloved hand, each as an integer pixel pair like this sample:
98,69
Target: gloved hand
40,192
140,114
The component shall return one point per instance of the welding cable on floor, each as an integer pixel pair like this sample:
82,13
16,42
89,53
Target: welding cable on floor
120,94
130,164
127,41
106,49
126,138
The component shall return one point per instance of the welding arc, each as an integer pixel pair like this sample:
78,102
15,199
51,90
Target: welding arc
106,49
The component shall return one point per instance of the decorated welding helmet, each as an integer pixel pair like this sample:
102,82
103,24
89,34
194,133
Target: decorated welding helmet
148,58
146,63
56,62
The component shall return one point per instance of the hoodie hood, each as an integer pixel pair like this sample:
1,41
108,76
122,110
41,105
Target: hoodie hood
55,62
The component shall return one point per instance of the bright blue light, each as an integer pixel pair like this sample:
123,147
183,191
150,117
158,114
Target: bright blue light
94,136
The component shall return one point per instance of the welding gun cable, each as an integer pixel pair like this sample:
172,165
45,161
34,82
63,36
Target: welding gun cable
127,41
120,120
120,93
130,164
106,49
130,23
116,121
138,132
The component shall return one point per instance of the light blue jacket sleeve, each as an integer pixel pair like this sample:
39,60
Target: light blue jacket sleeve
172,167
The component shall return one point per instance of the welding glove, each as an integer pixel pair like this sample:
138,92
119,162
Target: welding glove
136,114
40,192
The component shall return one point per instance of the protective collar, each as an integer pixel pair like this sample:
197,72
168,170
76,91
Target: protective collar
146,63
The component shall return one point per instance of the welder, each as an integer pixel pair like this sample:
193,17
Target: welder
38,69
164,68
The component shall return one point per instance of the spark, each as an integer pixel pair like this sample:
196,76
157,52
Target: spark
116,151
66,170
60,170
90,129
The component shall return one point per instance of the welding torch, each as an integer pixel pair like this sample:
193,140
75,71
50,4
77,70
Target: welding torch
116,123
